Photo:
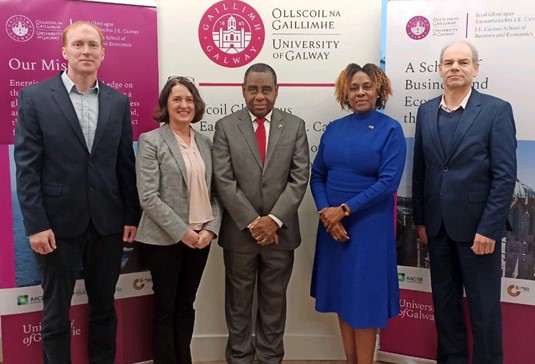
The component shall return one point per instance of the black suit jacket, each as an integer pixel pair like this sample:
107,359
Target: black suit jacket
60,183
471,188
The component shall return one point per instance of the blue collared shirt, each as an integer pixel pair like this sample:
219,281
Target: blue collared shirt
86,107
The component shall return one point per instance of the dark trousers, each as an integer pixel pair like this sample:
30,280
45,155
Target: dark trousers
273,269
100,257
176,274
454,265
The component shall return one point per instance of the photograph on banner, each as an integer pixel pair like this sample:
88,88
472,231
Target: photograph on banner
7,247
26,268
415,36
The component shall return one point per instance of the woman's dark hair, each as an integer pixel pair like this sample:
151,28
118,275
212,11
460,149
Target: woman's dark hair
162,114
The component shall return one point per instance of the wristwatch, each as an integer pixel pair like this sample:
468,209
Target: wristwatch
345,209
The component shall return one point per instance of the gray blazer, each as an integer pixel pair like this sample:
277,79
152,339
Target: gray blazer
162,188
248,190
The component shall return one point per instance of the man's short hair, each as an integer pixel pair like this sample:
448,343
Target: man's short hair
78,23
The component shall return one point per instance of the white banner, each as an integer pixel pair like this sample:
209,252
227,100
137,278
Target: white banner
504,34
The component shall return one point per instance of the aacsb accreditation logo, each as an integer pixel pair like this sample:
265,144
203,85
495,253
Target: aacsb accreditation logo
20,28
22,300
231,33
418,27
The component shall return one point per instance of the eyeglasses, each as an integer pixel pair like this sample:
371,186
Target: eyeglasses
181,78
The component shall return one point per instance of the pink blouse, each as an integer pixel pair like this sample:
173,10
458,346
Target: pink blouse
200,208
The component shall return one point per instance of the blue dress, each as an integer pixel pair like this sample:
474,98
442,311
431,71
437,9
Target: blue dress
360,161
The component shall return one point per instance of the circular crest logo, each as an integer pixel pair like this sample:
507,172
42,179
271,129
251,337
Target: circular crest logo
231,33
20,28
418,27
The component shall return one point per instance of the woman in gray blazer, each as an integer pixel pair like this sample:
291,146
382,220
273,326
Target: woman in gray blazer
180,216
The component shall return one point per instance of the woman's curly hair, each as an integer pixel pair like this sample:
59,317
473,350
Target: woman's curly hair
376,74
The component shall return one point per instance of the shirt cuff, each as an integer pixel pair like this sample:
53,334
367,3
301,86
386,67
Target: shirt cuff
251,223
276,219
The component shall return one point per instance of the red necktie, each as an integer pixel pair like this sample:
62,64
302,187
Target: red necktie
261,138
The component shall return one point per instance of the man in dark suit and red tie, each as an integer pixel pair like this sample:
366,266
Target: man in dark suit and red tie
261,168
77,191
463,181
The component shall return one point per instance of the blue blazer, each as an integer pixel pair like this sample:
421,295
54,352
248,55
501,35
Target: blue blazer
60,183
470,189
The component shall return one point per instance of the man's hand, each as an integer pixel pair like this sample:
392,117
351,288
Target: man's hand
420,229
483,245
129,233
264,230
43,242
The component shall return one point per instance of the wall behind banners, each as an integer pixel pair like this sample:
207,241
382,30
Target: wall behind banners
32,34
504,33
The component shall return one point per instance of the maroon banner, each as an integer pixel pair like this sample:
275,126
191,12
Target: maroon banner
31,34
413,332
23,333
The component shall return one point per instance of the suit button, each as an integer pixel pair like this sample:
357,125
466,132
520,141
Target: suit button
91,188
90,163
445,169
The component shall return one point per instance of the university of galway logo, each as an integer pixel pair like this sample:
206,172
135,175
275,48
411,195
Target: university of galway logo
418,27
20,28
231,33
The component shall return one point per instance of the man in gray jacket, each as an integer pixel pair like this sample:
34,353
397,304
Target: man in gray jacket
261,169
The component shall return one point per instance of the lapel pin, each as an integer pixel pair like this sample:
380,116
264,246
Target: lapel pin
370,126
279,126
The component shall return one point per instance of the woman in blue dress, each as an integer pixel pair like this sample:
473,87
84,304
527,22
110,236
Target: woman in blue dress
354,178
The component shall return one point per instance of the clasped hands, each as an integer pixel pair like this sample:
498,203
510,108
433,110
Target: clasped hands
264,231
331,218
198,240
